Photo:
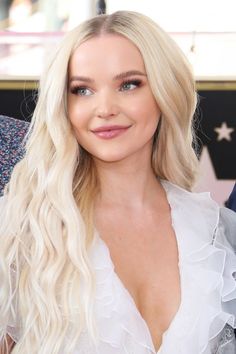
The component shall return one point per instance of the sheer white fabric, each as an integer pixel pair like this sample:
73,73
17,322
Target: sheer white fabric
205,320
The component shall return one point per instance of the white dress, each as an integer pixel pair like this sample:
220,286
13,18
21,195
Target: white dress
206,236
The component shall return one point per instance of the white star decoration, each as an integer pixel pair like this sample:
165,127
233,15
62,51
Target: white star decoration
208,182
224,132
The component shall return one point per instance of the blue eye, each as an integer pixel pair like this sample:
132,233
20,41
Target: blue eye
81,91
130,85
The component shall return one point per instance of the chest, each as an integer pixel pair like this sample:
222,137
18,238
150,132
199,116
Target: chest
145,259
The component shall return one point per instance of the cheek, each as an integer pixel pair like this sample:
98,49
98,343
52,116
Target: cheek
143,108
148,114
71,109
149,117
76,115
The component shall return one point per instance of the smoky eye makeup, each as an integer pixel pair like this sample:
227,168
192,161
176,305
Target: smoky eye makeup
125,85
130,84
80,90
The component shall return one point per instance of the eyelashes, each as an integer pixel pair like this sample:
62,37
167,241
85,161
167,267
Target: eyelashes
130,85
80,91
127,85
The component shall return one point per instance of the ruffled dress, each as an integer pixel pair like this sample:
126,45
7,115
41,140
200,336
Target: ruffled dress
206,318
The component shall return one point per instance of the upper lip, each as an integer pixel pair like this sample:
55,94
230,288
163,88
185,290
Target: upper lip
109,127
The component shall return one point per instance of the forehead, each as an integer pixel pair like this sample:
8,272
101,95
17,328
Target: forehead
104,52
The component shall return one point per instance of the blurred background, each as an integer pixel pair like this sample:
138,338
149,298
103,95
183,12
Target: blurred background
204,29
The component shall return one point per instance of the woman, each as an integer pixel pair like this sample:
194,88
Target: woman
104,247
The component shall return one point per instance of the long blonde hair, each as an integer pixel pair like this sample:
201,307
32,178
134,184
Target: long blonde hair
46,223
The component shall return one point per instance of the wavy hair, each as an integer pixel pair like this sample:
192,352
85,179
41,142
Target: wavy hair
46,227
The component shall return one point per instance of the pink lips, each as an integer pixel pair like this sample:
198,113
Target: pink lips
109,132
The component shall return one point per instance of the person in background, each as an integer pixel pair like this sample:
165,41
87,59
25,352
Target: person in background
12,133
4,13
231,203
105,249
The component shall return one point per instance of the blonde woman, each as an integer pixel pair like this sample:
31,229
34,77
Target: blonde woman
104,248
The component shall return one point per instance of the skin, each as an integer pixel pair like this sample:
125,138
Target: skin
106,102
7,349
137,228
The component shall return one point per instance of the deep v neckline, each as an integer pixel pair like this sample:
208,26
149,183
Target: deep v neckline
207,285
131,299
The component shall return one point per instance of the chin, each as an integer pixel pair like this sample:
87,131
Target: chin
110,158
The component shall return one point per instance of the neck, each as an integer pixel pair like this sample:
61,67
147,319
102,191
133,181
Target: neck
131,183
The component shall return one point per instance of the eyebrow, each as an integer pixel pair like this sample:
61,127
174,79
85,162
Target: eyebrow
120,76
126,74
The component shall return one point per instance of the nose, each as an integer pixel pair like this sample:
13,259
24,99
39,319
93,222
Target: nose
107,105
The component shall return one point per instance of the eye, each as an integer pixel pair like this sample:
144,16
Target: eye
130,85
81,91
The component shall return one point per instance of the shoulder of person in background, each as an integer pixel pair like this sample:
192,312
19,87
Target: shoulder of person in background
12,133
231,202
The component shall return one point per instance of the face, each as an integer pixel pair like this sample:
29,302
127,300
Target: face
110,103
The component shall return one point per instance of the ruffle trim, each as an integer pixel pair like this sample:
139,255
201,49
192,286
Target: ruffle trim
207,270
207,267
119,322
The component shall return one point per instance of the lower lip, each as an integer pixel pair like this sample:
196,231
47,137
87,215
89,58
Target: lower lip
110,134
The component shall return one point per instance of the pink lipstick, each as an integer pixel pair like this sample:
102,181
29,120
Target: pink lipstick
109,132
